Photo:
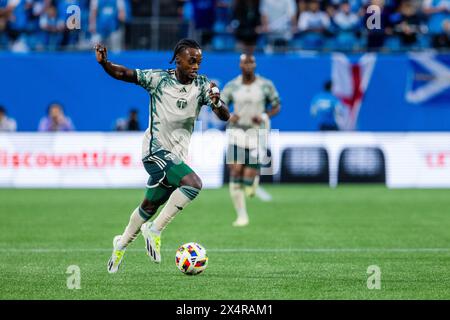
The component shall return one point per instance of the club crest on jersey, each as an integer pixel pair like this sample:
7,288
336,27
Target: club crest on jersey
181,103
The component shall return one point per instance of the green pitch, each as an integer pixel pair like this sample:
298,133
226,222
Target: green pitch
311,242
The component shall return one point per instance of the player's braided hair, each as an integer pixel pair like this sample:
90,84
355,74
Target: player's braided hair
182,45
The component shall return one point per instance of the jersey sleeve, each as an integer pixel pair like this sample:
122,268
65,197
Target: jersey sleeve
147,79
271,93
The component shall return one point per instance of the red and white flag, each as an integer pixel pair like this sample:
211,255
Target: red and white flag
350,81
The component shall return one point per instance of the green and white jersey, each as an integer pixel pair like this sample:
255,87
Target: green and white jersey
249,100
174,107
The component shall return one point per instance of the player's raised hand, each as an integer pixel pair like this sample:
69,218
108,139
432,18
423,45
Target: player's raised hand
217,105
214,93
101,53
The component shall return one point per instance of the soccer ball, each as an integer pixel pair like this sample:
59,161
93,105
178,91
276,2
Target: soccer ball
191,258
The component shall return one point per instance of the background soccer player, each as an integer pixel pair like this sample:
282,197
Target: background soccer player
255,99
176,96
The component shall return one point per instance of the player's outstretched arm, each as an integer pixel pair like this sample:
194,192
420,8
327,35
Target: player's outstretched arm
114,70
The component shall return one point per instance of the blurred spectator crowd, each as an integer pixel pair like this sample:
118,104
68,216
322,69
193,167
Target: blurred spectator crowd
268,25
348,25
61,24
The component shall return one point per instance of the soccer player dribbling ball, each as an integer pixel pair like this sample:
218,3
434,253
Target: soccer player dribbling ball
255,100
176,97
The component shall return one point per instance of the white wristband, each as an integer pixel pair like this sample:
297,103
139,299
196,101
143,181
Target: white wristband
215,90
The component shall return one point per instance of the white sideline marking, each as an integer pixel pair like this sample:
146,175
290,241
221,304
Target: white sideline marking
238,250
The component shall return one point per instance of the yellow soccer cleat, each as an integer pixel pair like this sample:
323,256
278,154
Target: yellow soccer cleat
116,257
152,242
